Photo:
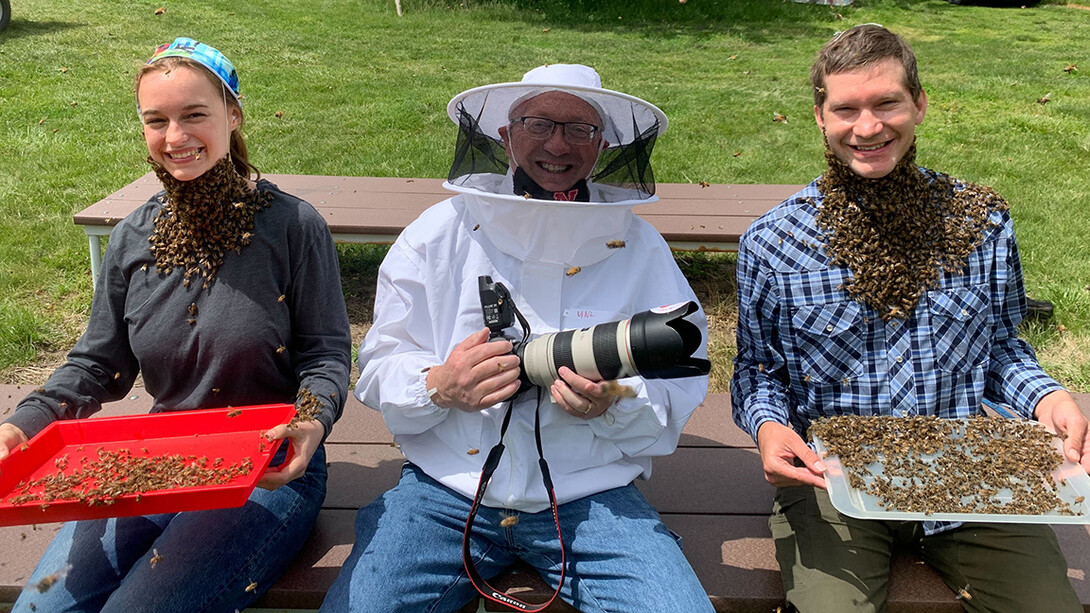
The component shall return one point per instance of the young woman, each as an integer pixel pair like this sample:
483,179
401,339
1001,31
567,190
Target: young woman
221,291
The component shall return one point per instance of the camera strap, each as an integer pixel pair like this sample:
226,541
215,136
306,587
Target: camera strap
490,464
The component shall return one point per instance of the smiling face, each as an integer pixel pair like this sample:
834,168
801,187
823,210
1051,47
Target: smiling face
553,163
869,117
186,120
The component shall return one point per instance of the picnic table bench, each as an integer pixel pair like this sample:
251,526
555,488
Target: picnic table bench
690,216
710,491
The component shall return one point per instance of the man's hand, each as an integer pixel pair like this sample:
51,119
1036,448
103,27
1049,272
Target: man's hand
477,375
580,396
779,446
1057,410
305,437
10,438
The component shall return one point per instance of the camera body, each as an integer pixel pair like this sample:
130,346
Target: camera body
654,344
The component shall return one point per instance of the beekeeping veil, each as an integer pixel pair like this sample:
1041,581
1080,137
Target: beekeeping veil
622,174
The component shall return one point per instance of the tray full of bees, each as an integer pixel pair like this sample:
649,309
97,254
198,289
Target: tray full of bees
139,465
925,468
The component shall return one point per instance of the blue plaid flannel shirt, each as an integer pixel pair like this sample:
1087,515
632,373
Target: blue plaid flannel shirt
807,350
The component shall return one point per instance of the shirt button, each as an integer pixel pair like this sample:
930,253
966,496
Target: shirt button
964,313
829,328
900,359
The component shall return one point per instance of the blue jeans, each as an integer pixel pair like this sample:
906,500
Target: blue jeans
207,561
408,553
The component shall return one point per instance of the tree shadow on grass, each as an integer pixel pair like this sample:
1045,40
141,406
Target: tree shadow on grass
755,21
21,28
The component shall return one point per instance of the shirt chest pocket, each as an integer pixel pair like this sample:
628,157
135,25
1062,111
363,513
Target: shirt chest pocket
829,339
960,332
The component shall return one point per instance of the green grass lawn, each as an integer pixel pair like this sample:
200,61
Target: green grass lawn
361,91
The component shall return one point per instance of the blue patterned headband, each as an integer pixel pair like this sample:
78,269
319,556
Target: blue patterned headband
204,55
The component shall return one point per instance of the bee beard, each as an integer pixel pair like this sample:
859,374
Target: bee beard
899,233
203,219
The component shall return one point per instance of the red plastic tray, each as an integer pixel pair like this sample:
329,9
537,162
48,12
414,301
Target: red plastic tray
203,433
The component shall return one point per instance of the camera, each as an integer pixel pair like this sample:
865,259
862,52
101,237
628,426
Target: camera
653,344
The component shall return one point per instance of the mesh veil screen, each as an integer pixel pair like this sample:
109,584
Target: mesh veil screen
626,166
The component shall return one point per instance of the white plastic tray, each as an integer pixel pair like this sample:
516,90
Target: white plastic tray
1071,483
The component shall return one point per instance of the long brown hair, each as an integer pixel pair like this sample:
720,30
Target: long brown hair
239,155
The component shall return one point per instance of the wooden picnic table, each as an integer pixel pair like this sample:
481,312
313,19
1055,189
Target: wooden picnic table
690,216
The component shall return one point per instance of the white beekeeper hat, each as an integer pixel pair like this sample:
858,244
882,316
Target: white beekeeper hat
624,117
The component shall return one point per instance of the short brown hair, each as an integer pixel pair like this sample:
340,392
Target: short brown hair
239,155
859,47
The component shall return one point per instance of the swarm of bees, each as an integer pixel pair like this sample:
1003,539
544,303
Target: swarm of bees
307,407
930,465
201,222
118,473
897,234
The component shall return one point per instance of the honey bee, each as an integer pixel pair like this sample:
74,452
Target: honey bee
704,184
963,593
281,349
510,521
155,558
252,586
234,413
615,244
616,390
573,270
47,582
476,227
117,375
1071,68
779,117
281,298
473,451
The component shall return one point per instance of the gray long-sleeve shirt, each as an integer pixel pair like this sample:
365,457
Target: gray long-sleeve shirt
247,346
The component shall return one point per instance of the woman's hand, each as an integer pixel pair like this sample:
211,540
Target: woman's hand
305,437
10,438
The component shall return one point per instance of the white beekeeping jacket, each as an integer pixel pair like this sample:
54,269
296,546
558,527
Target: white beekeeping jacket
427,303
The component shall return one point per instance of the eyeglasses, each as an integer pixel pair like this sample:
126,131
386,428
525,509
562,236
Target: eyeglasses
575,132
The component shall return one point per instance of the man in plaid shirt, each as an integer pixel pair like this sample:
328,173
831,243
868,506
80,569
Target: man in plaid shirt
883,288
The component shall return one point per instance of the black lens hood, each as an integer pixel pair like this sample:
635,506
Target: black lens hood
662,342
